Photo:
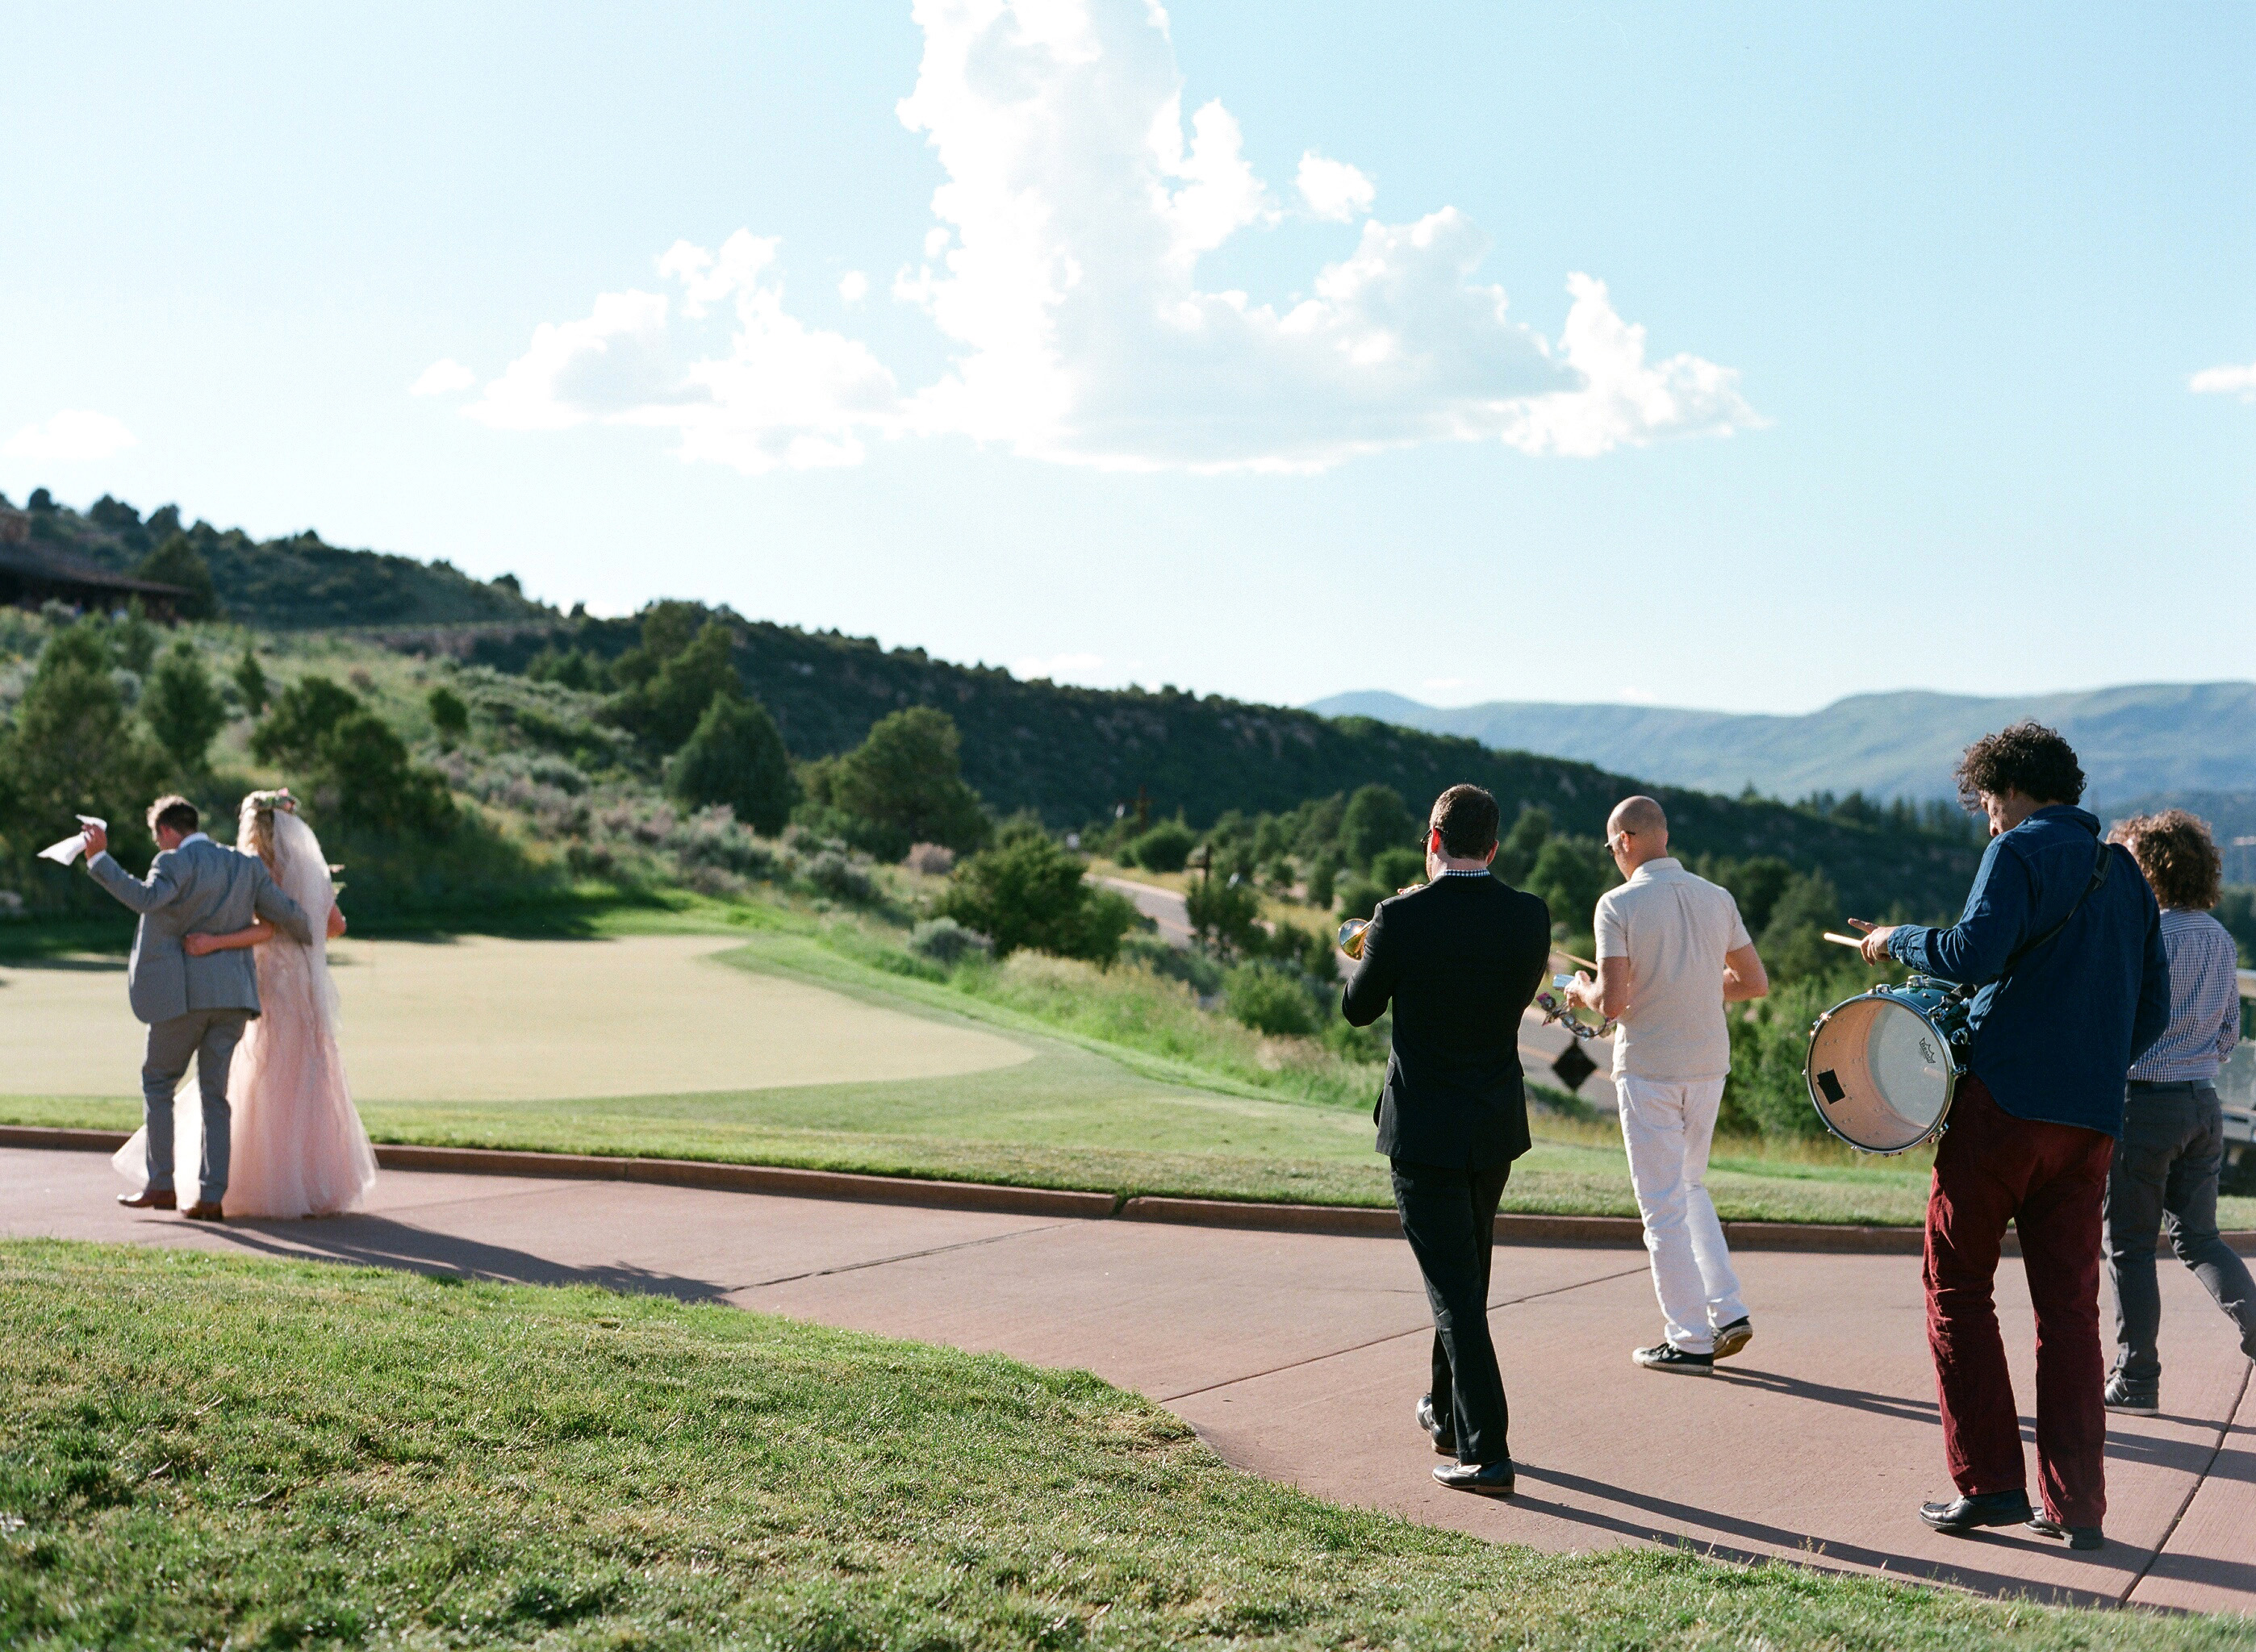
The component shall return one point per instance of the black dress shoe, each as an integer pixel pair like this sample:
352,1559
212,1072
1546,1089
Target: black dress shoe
2079,1537
1444,1435
161,1198
1483,1479
1991,1509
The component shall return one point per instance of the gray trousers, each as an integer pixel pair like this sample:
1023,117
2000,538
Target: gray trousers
2164,1177
210,1035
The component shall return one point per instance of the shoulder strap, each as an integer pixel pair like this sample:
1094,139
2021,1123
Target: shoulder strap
2102,859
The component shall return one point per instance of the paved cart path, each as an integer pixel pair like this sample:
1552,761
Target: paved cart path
1298,1356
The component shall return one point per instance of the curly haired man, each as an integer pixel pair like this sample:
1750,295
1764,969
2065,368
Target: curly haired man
2066,947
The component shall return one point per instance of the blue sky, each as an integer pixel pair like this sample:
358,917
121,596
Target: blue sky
1925,296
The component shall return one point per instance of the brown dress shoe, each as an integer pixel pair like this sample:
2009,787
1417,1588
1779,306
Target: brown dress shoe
147,1199
203,1210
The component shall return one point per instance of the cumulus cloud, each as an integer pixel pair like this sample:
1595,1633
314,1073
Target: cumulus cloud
2226,380
1062,271
1332,189
445,377
71,435
853,287
720,363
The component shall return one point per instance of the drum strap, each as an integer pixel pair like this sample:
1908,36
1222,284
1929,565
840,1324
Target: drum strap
2100,861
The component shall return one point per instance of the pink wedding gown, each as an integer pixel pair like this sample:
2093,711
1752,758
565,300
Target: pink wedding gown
299,1147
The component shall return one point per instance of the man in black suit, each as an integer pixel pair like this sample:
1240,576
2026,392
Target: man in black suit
1460,958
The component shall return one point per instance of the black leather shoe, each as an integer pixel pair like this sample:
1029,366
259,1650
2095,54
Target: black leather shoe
1483,1479
163,1198
1444,1435
1991,1509
2079,1537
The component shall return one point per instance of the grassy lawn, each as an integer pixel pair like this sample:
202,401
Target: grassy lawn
203,1452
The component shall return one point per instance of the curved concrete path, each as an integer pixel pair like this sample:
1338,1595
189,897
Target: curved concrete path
1298,1356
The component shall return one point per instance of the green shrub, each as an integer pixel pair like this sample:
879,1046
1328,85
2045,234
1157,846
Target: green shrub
182,707
1766,1094
1375,819
302,713
902,785
133,640
250,683
1029,892
361,771
1359,896
1269,999
1165,848
1398,868
1323,882
945,941
1570,875
1515,855
665,708
1225,914
1793,943
176,562
450,715
74,749
736,757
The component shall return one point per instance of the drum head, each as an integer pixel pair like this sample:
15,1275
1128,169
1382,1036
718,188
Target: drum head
1880,1075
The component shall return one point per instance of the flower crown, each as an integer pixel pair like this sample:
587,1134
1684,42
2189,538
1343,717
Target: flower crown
268,802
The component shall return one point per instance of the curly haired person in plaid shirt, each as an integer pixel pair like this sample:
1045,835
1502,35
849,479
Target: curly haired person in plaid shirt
2165,1173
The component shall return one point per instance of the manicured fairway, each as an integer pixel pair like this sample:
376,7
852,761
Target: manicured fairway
479,1018
201,1451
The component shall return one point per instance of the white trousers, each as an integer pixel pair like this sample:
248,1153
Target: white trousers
1669,1128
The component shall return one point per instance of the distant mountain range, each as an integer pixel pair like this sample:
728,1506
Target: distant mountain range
2142,741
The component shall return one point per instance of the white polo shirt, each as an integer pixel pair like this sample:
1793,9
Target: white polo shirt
1674,927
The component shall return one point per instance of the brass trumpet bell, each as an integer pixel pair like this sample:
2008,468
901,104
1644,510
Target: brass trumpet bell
1351,936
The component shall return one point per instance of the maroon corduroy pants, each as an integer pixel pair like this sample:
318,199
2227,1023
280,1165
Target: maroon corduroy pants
2046,1179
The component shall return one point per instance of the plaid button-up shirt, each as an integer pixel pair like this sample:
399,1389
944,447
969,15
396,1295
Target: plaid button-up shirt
2204,1002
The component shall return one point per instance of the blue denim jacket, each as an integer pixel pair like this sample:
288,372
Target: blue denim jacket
2053,1041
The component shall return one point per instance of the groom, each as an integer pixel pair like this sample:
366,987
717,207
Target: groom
192,1006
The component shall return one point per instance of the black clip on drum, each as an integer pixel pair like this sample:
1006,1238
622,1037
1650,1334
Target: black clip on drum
1882,1065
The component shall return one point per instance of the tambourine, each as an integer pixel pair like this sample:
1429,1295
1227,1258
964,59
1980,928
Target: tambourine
1556,1006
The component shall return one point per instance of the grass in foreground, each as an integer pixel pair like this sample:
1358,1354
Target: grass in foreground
201,1451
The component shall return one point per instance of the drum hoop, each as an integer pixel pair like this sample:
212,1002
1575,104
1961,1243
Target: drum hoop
1955,1070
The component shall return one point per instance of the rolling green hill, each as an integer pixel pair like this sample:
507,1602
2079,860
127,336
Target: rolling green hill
291,584
1074,755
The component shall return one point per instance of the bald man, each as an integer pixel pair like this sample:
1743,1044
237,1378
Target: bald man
1671,951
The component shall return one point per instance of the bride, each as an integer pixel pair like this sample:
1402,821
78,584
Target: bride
299,1150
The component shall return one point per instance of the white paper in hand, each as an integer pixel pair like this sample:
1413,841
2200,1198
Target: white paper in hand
66,851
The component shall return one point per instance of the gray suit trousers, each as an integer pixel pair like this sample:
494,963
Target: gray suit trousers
210,1035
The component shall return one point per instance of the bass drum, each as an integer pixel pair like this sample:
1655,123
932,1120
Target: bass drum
1882,1065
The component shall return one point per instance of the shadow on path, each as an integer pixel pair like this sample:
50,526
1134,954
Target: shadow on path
1807,1549
378,1242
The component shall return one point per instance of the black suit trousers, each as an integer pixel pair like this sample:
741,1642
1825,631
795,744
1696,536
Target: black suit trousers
1449,1218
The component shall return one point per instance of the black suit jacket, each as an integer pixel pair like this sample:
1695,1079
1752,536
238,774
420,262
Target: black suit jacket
1460,959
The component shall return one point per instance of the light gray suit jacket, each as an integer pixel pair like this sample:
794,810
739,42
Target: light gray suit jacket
198,889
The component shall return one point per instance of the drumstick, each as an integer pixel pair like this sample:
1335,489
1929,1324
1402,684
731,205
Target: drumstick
1571,959
1844,940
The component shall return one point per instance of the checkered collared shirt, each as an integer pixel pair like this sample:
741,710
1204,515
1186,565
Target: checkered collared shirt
2204,1002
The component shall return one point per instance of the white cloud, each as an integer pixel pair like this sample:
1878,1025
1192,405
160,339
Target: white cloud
443,377
71,435
2226,380
1058,668
1062,273
767,393
1332,189
853,287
